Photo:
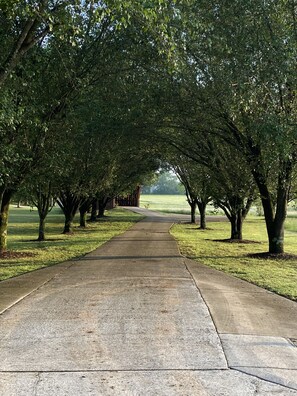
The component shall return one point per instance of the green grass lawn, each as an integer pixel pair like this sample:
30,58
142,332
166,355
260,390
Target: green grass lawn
165,203
178,204
279,276
23,230
170,204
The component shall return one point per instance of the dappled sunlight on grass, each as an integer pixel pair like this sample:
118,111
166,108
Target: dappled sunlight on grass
23,232
278,275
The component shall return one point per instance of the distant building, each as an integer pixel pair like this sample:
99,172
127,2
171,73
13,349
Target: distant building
131,199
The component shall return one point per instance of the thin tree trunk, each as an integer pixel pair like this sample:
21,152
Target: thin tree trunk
202,211
43,204
82,218
193,211
83,210
41,229
94,210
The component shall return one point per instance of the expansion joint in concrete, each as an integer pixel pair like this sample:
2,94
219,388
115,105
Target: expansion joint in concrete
38,373
199,291
33,290
241,370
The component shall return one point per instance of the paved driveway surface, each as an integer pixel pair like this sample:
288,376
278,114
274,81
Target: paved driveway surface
136,318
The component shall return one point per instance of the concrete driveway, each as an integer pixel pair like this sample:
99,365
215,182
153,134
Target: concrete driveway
136,318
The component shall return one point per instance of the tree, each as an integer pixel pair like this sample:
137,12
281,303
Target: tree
227,179
198,185
237,64
167,183
260,117
25,24
69,46
40,194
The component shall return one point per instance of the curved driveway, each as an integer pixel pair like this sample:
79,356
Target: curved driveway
136,318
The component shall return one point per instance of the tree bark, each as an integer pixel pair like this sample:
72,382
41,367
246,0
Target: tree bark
236,221
69,203
4,210
83,210
236,213
202,210
193,211
41,229
275,215
94,210
43,203
275,223
82,217
276,239
68,223
101,206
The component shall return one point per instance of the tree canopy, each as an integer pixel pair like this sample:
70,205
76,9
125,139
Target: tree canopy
96,94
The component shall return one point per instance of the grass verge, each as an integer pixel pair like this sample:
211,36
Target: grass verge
22,235
277,275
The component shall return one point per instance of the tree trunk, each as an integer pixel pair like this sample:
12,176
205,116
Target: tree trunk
43,204
68,223
275,224
94,210
4,210
202,210
236,211
101,211
236,221
69,203
101,206
41,229
83,210
82,217
274,218
193,211
276,239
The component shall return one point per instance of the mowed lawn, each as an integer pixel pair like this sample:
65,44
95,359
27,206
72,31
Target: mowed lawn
165,203
171,204
23,232
279,276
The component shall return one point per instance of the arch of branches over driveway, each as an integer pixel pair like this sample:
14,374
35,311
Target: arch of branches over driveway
94,95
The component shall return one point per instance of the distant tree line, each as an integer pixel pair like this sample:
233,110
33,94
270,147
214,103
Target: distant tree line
166,183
